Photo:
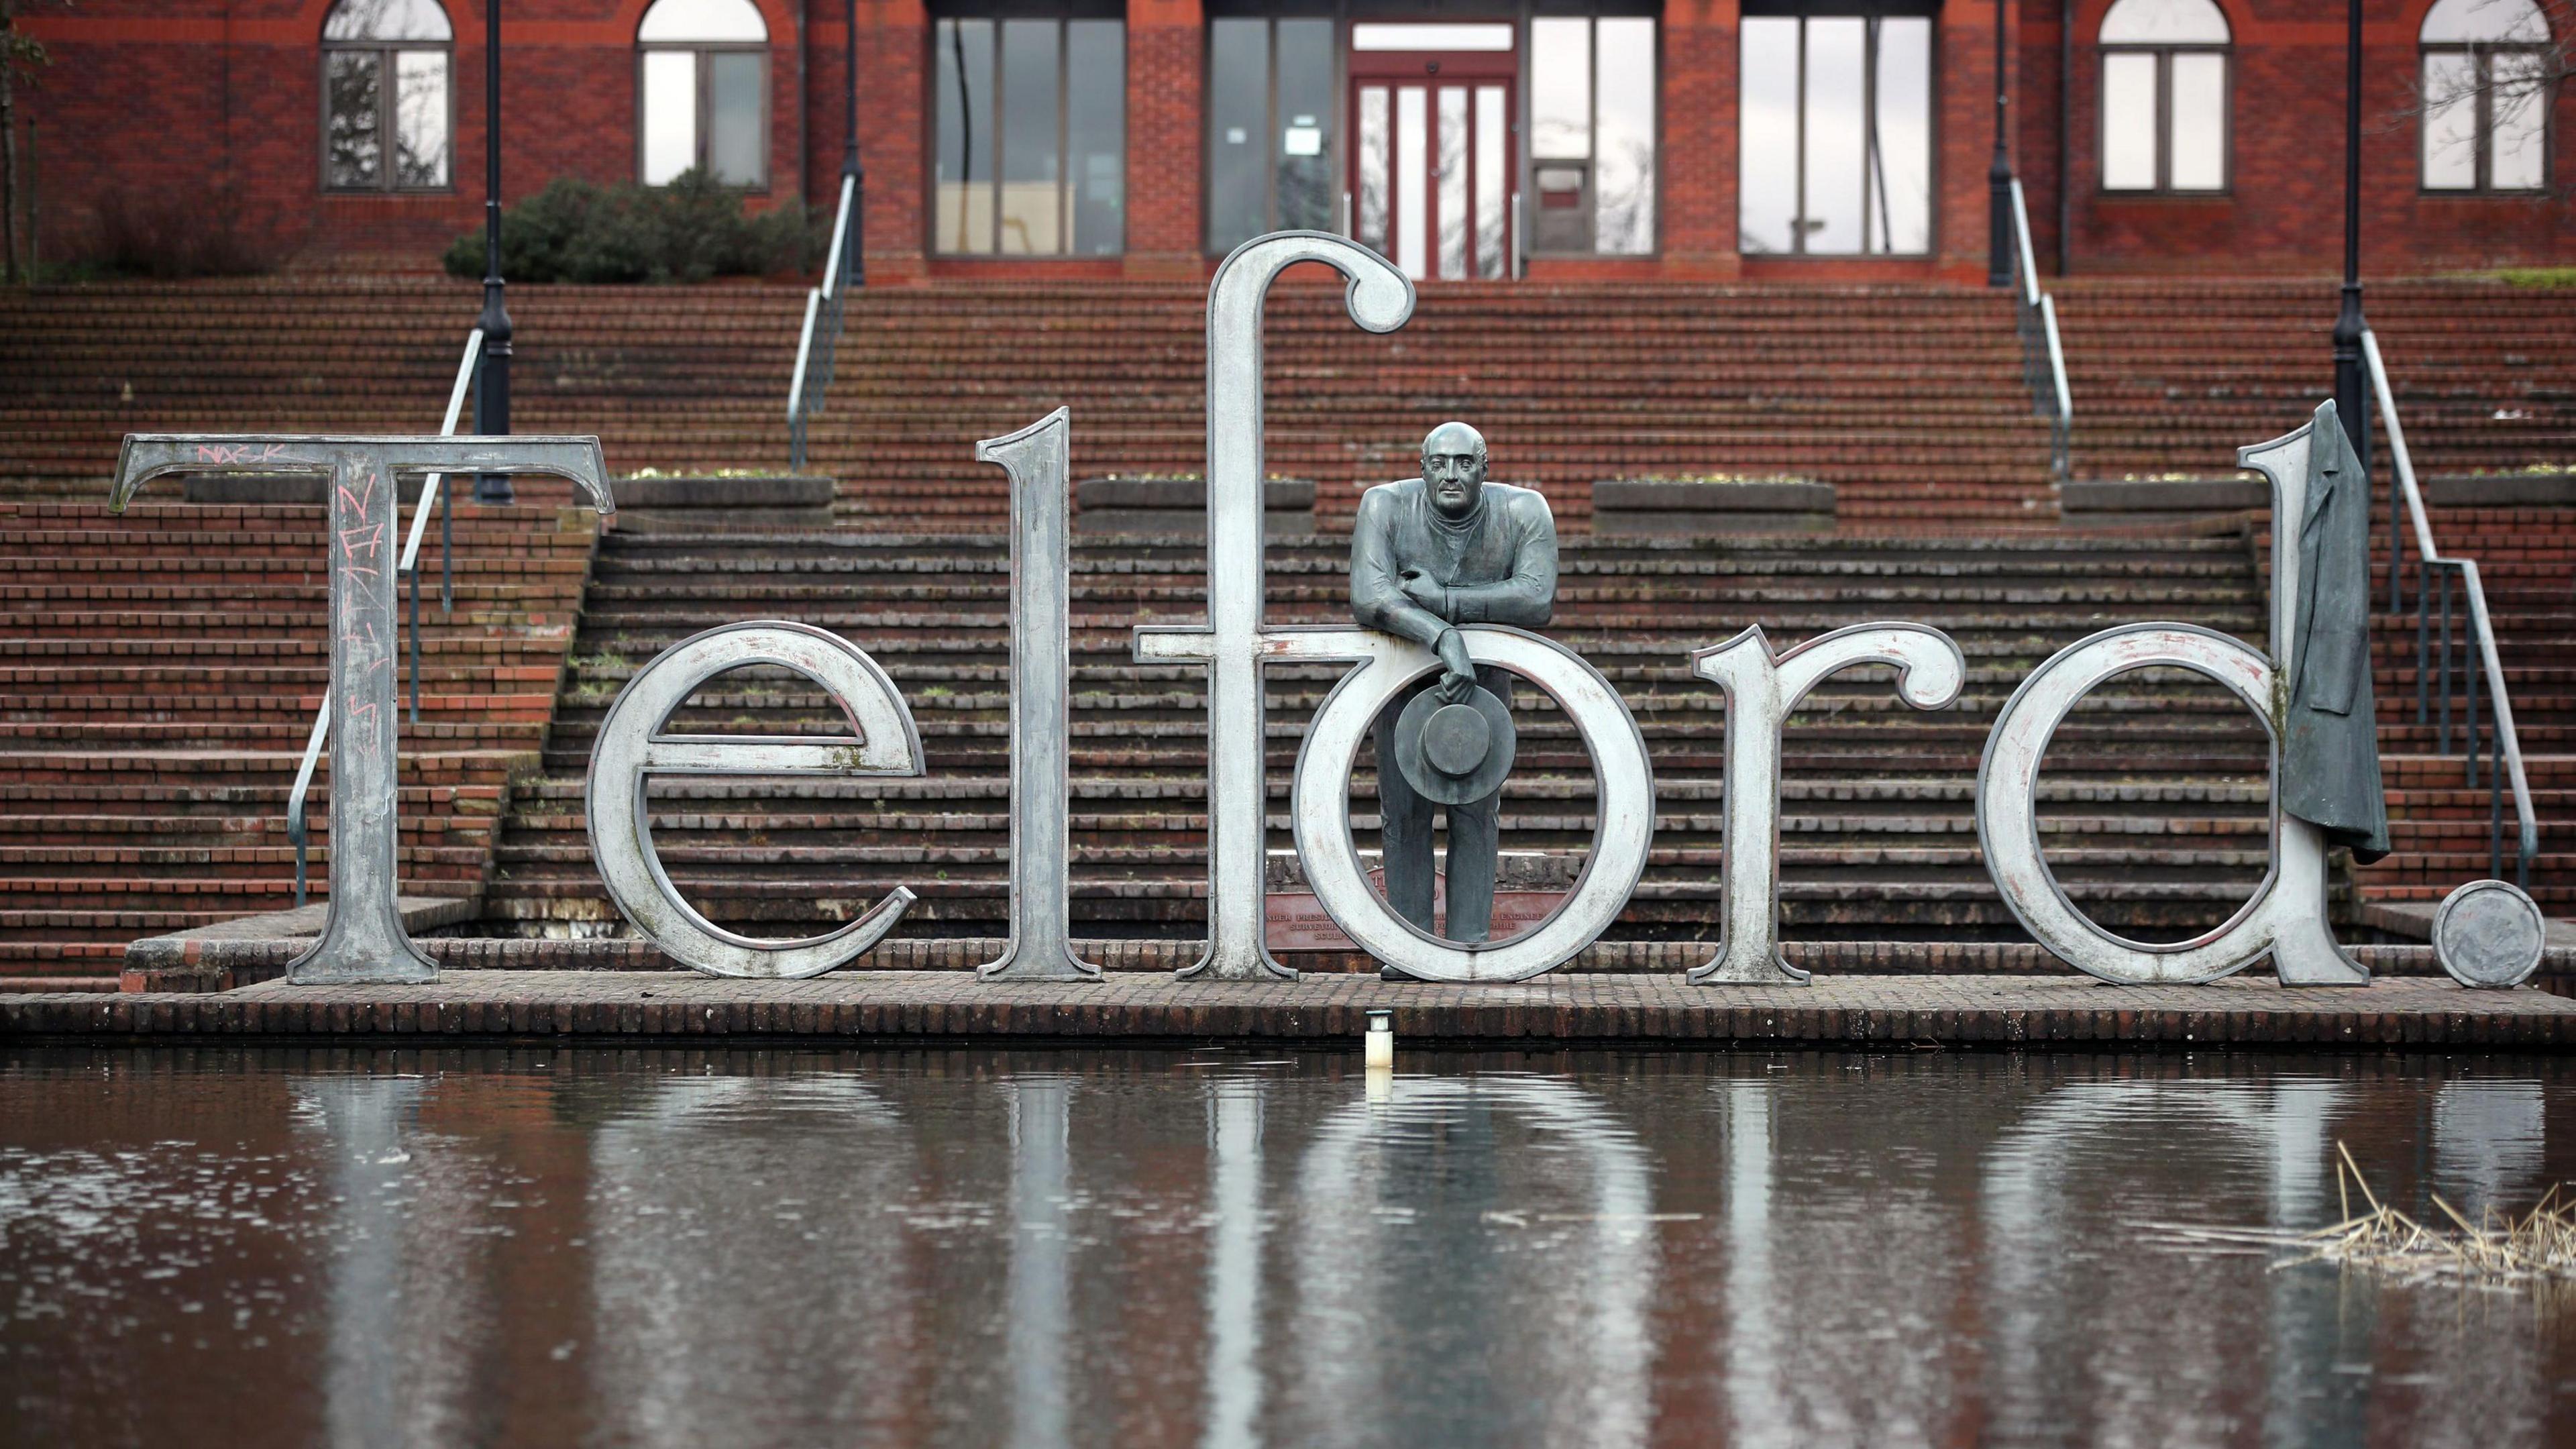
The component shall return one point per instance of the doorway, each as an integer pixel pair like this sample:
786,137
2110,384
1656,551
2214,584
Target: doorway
1432,148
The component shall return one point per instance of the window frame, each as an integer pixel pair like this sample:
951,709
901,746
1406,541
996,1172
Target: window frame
1338,150
2164,58
385,53
2481,55
702,50
1525,122
991,117
1934,75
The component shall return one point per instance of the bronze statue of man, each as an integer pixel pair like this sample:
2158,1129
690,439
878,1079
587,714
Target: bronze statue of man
1429,554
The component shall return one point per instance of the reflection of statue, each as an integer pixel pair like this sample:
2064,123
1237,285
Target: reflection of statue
1428,554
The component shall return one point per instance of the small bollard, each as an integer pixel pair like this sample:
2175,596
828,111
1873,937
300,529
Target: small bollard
1379,1044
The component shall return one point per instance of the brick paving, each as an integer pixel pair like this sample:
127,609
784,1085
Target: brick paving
1893,1011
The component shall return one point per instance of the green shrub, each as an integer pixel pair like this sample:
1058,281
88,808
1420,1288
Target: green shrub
688,231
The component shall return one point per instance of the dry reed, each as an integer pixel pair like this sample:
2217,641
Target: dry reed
2505,1251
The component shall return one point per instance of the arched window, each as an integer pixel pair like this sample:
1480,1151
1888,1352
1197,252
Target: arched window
388,111
2164,96
704,67
2487,83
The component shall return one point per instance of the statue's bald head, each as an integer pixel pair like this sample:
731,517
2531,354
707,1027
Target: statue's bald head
1453,468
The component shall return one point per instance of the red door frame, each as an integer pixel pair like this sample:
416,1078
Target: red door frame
1432,70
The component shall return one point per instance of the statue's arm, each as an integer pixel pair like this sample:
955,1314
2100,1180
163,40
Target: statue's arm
1378,600
1528,597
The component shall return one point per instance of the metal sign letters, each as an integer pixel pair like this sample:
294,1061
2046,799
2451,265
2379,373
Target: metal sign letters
2285,921
363,938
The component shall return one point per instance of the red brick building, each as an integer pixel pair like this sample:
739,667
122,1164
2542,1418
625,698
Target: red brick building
1687,138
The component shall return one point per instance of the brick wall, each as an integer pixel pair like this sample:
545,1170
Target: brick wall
216,106
2284,209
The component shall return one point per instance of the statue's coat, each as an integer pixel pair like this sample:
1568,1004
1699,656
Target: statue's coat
2330,728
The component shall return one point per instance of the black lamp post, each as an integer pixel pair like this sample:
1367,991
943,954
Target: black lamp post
1999,245
492,381
852,267
2352,388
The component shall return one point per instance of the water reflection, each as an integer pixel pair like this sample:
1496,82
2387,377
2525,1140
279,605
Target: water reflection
1160,1248
1502,1221
746,1276
408,1278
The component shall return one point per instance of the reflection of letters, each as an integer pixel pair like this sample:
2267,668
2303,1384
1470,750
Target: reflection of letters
362,938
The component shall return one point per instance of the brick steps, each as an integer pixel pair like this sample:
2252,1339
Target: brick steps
159,671
2154,796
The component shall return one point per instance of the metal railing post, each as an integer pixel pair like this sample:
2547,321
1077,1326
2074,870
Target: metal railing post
2043,352
2490,708
824,304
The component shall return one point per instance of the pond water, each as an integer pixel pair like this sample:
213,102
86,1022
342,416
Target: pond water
1232,1247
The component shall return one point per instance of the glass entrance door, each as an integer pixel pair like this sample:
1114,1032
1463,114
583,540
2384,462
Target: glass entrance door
1432,155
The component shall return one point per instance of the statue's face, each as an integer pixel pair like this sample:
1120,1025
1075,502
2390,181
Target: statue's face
1455,474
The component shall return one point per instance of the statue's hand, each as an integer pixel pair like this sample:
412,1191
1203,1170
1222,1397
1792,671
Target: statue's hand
1426,591
1459,680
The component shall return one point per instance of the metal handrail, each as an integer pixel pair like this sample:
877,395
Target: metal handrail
297,832
825,303
2462,572
2043,355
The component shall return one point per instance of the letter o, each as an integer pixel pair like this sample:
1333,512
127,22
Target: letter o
1321,807
632,748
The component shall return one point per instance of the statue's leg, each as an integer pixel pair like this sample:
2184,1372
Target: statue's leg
1406,828
1472,849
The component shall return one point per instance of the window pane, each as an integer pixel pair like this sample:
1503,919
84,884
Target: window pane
1238,104
2463,20
1835,139
350,77
1453,181
1767,165
1623,160
2516,153
962,174
1901,176
1492,150
2450,122
717,20
387,20
1031,160
1374,141
670,114
2164,21
736,148
1560,67
1431,37
2199,118
1412,180
420,118
1306,173
1095,117
2129,121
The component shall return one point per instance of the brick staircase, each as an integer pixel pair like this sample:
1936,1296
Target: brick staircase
159,672
1910,399
2177,375
2155,791
2173,376
2527,561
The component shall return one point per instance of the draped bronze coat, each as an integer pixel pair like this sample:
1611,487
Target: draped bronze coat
2329,726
